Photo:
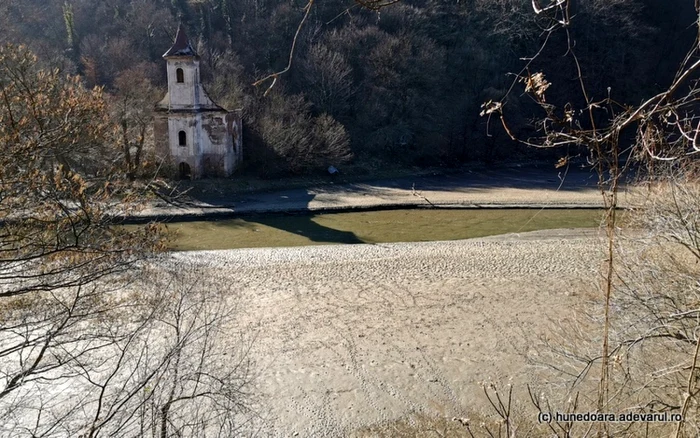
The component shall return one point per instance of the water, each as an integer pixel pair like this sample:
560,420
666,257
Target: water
414,225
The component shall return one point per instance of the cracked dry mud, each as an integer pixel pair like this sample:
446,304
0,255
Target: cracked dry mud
348,336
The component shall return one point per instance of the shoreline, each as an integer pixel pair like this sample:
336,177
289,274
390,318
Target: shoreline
494,189
222,213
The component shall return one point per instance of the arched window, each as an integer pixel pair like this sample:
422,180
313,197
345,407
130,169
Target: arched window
180,75
182,138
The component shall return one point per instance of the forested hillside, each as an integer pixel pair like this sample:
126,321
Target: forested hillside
400,85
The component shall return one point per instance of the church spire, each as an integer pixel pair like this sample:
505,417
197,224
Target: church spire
182,46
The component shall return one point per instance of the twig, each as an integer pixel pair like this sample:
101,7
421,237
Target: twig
274,76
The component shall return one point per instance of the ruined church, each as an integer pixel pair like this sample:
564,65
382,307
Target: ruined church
194,136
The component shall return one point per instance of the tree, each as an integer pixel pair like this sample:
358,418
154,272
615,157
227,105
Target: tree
300,142
147,356
55,181
56,176
94,340
645,348
132,110
329,80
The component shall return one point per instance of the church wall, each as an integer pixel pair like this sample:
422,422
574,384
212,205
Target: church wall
222,137
213,135
191,151
213,141
214,165
217,139
183,95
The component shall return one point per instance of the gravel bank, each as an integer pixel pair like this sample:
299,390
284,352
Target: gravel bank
354,335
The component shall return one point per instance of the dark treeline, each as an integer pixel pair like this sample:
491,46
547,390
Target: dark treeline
403,85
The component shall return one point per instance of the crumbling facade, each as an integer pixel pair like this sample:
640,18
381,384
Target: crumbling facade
194,136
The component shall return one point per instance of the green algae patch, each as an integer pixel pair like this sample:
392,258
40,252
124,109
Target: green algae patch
410,225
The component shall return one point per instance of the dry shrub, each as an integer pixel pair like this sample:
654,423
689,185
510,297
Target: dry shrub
151,355
296,140
654,323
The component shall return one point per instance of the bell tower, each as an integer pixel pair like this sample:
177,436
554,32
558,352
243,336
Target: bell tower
193,134
183,73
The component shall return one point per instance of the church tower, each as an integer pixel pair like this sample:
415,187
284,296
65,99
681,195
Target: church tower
195,136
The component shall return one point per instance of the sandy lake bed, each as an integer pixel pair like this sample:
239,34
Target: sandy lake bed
347,336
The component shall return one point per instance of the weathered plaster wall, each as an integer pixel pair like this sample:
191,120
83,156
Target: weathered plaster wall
234,123
213,146
190,153
214,135
188,94
218,151
183,95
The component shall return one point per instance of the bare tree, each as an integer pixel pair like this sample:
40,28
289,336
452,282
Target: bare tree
152,357
301,141
647,350
92,341
329,79
132,111
56,183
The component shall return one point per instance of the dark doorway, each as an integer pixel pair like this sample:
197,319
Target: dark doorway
185,172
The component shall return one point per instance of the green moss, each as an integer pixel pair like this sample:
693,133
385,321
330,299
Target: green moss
370,227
